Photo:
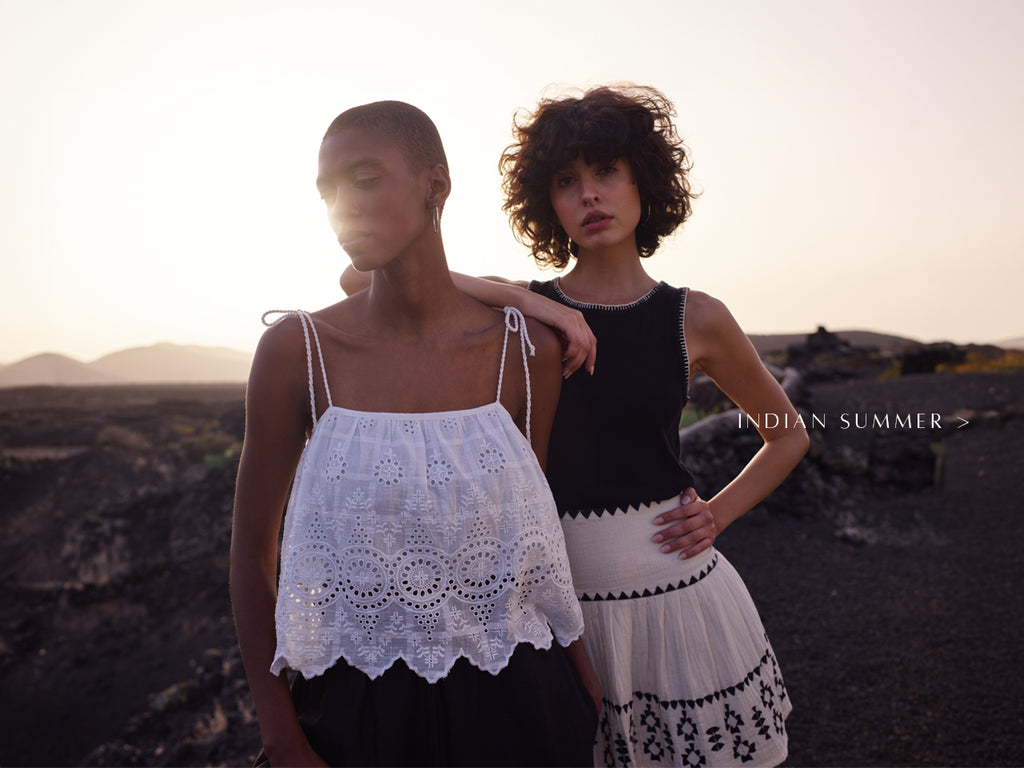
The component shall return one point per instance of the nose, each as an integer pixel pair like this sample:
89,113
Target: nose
336,206
588,190
338,213
339,208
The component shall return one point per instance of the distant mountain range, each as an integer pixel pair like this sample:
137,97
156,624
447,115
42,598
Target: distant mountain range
161,363
1017,343
779,342
188,364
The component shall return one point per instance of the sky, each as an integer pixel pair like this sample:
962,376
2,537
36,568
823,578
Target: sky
860,162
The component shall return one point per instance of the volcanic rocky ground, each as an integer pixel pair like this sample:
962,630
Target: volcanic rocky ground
887,569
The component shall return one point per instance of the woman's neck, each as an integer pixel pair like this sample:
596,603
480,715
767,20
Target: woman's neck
607,276
414,294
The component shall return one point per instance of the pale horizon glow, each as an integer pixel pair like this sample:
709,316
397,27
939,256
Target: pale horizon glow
860,162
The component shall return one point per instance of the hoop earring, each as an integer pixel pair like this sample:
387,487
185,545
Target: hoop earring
646,213
437,219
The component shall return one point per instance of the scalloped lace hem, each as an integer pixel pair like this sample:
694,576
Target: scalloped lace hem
431,675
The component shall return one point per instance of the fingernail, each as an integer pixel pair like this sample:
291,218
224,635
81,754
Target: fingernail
666,548
657,537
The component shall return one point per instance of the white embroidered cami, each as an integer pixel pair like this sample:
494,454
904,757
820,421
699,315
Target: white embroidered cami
422,537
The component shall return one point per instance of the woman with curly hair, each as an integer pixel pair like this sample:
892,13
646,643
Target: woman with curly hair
689,677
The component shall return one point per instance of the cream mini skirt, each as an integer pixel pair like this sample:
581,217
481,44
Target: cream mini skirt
689,676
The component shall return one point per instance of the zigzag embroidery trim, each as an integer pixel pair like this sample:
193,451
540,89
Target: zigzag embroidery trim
767,658
608,511
637,594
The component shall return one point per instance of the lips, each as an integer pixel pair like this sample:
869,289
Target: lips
595,217
349,238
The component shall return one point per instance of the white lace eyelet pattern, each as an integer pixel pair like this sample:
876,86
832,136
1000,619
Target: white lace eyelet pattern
491,460
389,471
427,544
439,471
336,466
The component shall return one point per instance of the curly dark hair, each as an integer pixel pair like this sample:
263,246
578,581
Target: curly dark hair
606,123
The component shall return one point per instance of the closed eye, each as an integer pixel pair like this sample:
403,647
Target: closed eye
366,182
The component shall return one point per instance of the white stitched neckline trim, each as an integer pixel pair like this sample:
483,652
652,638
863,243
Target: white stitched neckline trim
587,305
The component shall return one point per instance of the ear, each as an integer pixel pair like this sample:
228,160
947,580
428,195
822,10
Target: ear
439,186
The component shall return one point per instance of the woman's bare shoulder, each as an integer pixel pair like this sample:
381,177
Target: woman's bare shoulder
704,313
711,331
280,355
280,362
281,338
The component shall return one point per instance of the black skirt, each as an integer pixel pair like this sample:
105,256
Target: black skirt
535,712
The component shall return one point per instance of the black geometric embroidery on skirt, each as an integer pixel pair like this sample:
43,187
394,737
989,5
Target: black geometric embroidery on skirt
636,594
602,511
659,730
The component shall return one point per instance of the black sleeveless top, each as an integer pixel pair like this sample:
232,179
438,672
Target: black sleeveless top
615,440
